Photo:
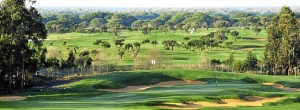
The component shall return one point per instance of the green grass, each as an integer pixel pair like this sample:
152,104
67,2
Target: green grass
82,95
178,56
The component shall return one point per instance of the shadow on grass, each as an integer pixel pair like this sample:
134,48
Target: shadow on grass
240,47
248,38
180,58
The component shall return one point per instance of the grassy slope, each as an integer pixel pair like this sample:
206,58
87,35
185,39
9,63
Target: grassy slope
83,94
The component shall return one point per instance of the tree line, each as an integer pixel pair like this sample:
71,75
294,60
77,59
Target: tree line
147,21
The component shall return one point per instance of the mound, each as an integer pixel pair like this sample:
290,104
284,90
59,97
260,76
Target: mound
12,98
161,84
250,101
279,86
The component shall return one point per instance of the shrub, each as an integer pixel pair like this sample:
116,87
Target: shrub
239,66
215,61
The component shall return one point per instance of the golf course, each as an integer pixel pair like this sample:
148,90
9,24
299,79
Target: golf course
150,90
92,56
170,83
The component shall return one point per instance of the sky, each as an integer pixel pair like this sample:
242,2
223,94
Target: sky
166,3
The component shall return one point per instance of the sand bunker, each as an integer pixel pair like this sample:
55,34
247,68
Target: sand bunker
279,86
12,98
249,101
260,39
161,84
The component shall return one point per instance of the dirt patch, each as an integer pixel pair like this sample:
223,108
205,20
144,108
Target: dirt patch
279,86
249,101
12,98
161,84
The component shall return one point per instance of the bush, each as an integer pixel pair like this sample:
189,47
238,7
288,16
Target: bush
215,61
239,66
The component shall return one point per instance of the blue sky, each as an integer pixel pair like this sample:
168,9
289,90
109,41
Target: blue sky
166,3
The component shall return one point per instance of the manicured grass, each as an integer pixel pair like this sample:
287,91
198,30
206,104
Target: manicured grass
178,56
82,95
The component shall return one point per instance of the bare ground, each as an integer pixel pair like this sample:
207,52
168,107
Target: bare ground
12,98
161,84
279,86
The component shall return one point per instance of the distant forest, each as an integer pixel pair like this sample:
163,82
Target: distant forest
110,21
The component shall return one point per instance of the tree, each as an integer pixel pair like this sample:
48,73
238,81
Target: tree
84,53
228,44
256,30
227,31
88,61
235,34
97,42
220,24
146,41
154,42
191,44
251,61
246,30
282,47
119,43
121,53
97,22
128,46
230,60
169,44
137,45
105,45
71,59
137,24
145,30
19,25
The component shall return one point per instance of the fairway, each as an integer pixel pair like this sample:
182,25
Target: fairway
86,94
178,56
